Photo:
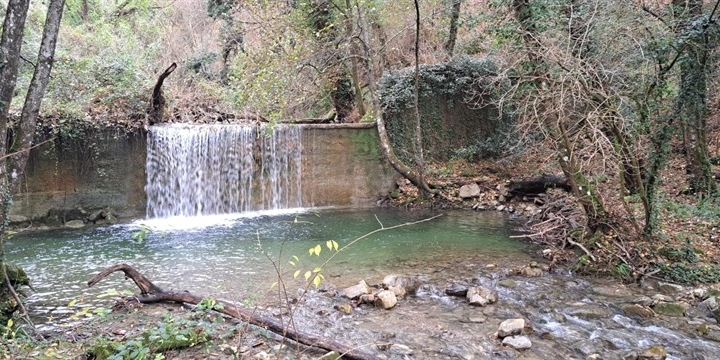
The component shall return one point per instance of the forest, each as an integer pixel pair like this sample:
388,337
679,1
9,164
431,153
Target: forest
614,101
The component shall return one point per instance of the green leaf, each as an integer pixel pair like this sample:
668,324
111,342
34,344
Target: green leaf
296,258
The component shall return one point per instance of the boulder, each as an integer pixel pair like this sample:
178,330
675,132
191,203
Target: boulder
399,349
18,219
398,291
511,327
96,215
409,283
481,296
386,299
519,342
669,289
356,291
469,191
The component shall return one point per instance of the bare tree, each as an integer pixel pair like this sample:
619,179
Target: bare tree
24,131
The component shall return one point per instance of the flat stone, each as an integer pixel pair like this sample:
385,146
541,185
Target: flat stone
590,312
670,308
669,289
400,349
456,290
511,327
75,224
345,309
612,290
508,283
520,342
18,218
656,352
386,299
531,272
354,292
474,319
469,191
481,296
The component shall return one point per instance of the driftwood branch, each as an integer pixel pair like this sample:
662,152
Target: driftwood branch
150,293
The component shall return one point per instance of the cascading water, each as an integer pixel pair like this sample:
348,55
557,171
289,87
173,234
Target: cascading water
221,169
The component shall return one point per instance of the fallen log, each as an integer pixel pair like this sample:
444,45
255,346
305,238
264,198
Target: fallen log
537,185
150,293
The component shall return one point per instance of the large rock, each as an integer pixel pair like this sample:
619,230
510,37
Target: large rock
469,191
637,311
456,290
520,342
481,296
356,291
511,327
656,352
75,224
409,283
671,308
386,299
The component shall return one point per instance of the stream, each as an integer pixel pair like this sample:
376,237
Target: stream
231,258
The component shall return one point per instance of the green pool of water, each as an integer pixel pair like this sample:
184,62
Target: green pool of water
232,259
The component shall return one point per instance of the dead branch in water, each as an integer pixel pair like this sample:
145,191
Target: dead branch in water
150,293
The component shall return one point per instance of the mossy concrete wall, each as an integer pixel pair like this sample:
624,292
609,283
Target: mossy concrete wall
71,180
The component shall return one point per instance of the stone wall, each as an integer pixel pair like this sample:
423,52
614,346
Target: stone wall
76,180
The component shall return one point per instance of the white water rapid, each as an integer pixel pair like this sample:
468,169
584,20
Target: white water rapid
195,170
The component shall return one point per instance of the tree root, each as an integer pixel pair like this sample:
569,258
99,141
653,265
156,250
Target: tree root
150,293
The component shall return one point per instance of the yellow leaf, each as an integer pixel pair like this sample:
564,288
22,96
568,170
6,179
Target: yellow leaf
318,249
335,245
307,275
317,269
296,274
9,323
316,281
311,251
291,263
273,285
296,258
72,302
329,244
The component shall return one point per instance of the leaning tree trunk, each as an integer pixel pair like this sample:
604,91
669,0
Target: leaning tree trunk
385,143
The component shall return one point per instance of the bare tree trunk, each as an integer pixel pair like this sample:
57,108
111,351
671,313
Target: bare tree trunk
10,44
355,71
419,152
385,144
452,33
28,120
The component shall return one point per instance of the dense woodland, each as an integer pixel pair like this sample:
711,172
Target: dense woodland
617,97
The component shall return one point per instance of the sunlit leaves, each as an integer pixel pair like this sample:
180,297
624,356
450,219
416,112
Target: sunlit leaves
332,245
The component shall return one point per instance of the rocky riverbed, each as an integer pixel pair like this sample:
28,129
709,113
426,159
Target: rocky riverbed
532,314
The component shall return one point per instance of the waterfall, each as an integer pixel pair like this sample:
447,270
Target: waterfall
197,170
